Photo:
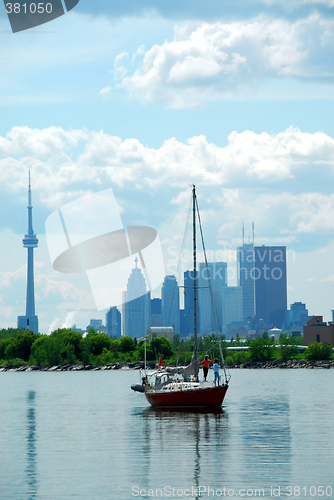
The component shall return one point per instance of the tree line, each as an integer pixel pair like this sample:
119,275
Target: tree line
66,346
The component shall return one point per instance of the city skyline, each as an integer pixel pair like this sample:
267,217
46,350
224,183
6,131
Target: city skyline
269,298
229,304
148,99
219,306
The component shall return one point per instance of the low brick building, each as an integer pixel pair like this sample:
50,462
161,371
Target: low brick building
317,330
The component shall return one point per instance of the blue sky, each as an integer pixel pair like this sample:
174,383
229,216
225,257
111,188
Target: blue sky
149,97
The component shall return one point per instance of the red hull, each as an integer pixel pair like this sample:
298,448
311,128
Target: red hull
206,397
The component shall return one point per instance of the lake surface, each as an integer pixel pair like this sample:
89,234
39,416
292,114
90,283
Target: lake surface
88,436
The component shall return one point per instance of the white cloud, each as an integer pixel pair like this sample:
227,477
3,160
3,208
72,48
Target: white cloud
275,180
119,69
329,278
62,171
221,60
313,212
47,142
289,214
8,279
105,93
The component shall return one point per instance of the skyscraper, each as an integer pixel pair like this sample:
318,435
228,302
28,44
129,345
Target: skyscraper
156,315
30,241
218,279
137,310
232,304
170,303
297,315
246,275
270,285
113,322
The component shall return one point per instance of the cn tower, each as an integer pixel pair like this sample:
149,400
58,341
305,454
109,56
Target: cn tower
30,241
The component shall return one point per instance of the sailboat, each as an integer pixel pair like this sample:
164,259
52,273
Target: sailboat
180,387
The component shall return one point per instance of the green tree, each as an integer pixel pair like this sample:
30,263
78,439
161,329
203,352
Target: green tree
114,345
66,337
126,344
296,340
6,333
287,348
150,354
162,346
156,347
318,350
70,354
91,331
20,346
14,363
105,357
46,350
240,357
86,354
229,361
3,345
62,346
261,349
97,342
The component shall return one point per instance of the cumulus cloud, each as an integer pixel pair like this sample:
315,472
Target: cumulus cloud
278,180
248,159
212,61
47,142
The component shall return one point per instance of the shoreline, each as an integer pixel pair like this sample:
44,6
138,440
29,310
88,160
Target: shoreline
289,364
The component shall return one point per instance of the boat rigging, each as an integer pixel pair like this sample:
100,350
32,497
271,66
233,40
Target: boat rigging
180,386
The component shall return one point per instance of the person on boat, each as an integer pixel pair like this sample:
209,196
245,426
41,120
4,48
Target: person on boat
205,364
216,371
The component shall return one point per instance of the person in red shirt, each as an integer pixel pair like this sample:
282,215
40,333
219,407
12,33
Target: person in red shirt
205,364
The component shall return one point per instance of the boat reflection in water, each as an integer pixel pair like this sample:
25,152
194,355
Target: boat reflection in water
188,432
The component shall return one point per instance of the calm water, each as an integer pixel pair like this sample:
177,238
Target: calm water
87,436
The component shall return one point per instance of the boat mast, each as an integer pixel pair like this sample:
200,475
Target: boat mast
195,355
